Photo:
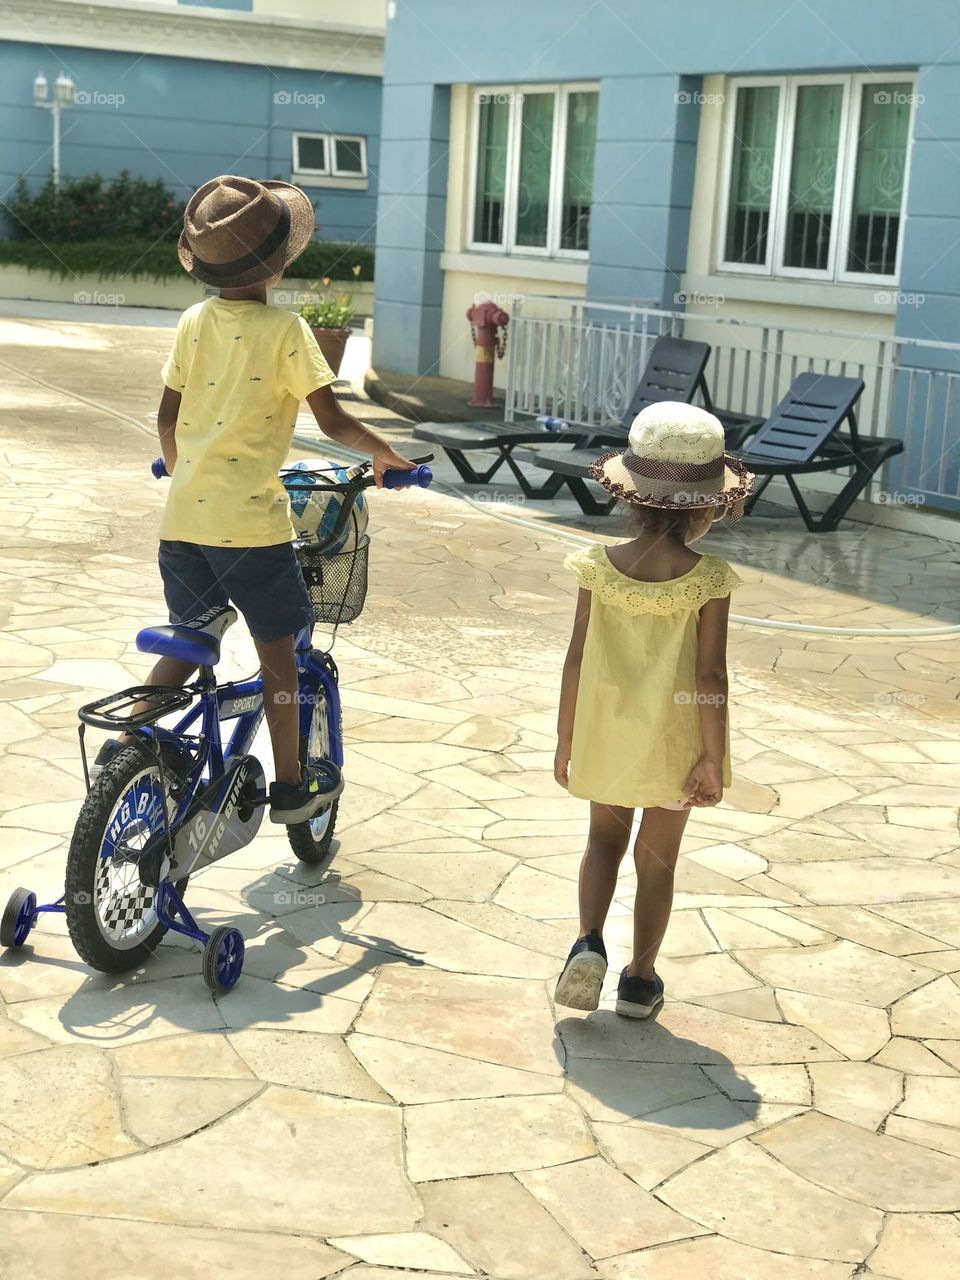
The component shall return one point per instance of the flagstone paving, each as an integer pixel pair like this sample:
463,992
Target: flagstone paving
390,1088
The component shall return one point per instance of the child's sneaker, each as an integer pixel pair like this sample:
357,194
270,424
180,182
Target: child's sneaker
319,787
638,997
578,987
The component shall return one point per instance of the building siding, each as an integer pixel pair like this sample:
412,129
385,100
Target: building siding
185,120
644,57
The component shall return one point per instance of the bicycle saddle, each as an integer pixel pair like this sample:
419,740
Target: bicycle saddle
196,641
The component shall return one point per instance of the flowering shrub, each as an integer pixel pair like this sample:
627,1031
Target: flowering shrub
89,208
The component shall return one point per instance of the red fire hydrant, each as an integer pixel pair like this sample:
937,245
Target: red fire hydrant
488,324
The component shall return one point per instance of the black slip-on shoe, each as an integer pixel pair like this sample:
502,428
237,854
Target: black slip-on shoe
320,786
639,997
578,987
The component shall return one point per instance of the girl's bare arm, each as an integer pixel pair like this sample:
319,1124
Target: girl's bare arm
705,785
569,685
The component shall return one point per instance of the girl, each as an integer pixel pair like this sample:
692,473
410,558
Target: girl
643,702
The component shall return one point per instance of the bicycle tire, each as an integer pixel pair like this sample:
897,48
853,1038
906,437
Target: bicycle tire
311,841
83,860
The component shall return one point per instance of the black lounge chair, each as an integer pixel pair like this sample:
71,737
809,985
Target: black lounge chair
572,466
803,435
674,372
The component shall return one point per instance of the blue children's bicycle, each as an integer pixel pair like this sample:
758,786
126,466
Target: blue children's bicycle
178,799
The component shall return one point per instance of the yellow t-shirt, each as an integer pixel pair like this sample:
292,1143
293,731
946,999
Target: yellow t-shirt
242,369
636,729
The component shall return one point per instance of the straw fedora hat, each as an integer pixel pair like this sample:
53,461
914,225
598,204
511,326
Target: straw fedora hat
675,458
238,232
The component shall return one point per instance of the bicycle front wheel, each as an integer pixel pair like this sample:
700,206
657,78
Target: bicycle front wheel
111,914
311,840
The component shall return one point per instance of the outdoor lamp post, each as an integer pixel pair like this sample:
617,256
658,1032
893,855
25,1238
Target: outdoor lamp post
64,92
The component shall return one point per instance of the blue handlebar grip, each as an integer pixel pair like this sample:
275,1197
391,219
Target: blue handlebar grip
159,468
420,476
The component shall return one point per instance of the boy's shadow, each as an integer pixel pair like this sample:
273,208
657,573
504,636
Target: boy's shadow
168,988
621,1068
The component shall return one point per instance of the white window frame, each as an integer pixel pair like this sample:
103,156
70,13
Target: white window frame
295,159
332,155
329,140
508,244
836,271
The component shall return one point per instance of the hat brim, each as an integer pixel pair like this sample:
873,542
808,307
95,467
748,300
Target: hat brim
610,472
302,223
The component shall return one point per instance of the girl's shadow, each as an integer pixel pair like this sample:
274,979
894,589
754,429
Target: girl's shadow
621,1068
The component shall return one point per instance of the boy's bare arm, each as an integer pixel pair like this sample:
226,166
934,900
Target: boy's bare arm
345,429
167,426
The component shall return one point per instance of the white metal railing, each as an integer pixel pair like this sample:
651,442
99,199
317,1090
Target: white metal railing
581,361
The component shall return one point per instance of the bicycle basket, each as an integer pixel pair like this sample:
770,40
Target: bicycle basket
337,583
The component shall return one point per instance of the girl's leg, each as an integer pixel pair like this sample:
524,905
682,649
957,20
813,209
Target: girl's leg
655,853
606,844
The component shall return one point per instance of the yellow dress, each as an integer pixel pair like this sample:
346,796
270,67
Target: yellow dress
636,732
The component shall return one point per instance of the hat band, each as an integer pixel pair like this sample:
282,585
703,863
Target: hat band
686,479
263,251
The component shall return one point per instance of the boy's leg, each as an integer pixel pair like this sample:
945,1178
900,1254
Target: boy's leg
278,664
606,844
655,853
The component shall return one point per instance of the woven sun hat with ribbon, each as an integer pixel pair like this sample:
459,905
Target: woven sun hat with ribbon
676,459
239,232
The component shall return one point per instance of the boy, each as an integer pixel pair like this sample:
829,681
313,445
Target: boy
232,388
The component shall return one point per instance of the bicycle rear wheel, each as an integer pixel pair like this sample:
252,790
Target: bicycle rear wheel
111,914
311,840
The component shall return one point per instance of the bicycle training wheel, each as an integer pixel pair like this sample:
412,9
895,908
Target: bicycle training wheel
111,914
311,840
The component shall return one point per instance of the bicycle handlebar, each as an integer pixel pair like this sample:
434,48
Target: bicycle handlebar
420,476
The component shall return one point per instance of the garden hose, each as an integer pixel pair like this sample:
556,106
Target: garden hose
564,535
744,620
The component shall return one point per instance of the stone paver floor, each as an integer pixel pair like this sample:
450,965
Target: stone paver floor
390,1088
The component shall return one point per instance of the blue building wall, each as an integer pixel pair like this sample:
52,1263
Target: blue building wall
643,55
185,120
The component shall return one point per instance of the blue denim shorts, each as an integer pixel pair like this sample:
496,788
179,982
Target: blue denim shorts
264,583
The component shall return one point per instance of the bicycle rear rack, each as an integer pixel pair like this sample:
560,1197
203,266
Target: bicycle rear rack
113,711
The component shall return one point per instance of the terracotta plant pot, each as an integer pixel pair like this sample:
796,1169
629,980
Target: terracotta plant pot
333,343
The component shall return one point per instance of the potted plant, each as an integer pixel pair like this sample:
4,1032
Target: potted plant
329,319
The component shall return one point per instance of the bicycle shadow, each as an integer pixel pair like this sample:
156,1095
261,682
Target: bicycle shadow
626,1069
292,976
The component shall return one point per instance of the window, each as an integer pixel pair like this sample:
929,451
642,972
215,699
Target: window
815,176
533,170
330,154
